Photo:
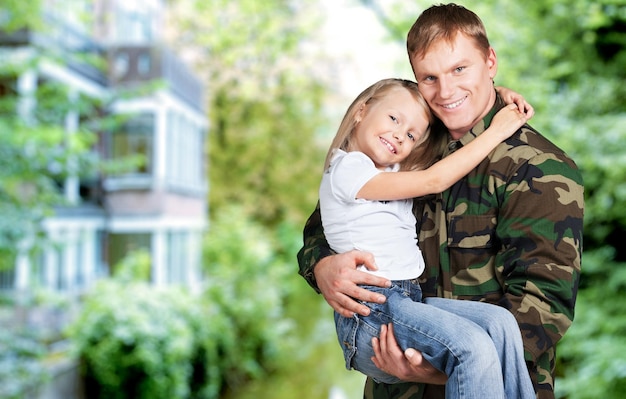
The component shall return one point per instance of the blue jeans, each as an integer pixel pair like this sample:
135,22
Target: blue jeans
477,345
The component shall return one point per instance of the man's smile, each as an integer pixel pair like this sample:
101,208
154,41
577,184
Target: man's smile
454,104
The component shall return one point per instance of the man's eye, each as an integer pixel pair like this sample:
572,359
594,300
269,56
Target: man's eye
459,69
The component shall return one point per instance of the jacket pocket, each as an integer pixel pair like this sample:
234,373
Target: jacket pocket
472,232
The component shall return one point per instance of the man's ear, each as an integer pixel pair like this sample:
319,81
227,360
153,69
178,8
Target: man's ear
492,63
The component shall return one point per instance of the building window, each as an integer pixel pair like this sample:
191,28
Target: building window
133,22
123,244
121,64
136,137
144,63
185,144
7,279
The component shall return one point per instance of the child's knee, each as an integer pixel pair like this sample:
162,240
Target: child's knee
501,319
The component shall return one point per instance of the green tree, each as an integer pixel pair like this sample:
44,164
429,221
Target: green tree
36,155
38,150
264,103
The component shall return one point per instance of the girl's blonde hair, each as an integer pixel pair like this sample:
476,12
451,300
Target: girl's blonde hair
421,157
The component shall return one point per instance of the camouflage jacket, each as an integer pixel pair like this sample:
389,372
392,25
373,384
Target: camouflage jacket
509,233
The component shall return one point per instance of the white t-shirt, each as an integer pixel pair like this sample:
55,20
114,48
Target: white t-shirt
384,228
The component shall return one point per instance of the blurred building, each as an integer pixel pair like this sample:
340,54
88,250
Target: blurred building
160,206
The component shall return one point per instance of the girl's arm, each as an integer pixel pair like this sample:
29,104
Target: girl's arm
443,174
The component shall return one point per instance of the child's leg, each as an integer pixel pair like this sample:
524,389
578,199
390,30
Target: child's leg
504,331
453,344
355,338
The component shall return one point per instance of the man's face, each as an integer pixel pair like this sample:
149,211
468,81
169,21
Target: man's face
456,81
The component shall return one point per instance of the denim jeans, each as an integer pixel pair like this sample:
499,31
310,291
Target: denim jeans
477,345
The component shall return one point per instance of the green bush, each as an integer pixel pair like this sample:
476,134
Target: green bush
590,355
134,343
247,279
138,341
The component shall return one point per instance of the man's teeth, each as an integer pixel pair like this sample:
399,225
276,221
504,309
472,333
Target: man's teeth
454,104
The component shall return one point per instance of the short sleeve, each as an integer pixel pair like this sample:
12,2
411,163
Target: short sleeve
349,172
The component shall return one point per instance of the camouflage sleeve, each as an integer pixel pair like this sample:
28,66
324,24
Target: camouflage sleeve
315,247
540,225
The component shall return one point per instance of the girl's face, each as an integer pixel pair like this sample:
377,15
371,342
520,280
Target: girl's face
389,129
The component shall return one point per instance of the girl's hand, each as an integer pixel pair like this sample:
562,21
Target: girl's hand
508,120
511,97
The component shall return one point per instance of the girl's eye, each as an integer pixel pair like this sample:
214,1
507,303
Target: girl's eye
393,118
410,136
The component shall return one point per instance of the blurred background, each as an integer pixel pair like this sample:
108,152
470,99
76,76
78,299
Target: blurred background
158,161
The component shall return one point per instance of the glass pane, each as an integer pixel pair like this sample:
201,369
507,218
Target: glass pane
135,137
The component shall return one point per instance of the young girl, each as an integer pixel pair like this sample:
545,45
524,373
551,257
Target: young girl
365,203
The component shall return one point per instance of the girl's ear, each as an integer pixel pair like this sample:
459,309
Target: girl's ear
360,113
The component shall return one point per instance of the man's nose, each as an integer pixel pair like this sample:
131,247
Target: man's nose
446,88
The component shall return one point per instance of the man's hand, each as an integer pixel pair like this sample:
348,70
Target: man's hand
337,278
409,365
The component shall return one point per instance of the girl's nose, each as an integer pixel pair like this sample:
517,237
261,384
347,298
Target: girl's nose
398,136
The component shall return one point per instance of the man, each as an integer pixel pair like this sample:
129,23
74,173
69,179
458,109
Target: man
509,233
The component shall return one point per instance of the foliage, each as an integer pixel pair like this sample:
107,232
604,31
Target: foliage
16,14
34,158
590,355
293,348
135,266
144,342
38,148
264,102
249,284
21,369
36,155
134,340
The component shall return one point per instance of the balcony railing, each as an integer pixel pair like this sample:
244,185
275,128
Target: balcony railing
133,64
126,65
